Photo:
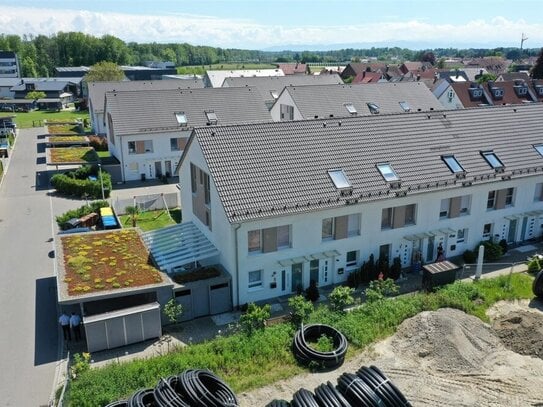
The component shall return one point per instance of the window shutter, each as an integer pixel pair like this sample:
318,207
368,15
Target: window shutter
454,210
341,231
269,240
500,198
140,147
399,217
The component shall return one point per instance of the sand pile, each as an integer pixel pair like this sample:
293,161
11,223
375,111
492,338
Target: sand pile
522,332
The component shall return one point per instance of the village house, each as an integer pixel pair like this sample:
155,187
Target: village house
289,202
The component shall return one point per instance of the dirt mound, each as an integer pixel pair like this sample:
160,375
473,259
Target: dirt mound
447,340
522,332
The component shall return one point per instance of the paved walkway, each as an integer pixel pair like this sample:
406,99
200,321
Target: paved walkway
206,328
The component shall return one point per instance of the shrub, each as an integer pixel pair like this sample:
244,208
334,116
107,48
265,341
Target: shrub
503,245
534,265
80,364
493,251
301,309
255,318
341,297
396,268
312,292
173,310
81,211
77,183
379,289
98,142
469,257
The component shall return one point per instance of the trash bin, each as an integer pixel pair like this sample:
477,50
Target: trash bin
438,274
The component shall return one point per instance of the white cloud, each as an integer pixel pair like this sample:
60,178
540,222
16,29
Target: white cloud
205,30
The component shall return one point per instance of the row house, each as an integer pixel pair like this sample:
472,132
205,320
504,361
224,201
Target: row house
336,101
289,202
147,130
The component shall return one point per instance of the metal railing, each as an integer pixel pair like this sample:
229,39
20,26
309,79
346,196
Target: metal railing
60,402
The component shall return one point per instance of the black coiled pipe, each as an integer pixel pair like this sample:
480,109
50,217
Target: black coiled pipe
278,403
357,392
143,398
120,403
382,386
167,393
324,360
304,398
328,396
201,388
537,285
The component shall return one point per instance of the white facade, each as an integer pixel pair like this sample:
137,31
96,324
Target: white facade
450,100
9,65
275,273
285,99
155,159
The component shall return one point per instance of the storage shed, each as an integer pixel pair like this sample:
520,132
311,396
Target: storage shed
438,274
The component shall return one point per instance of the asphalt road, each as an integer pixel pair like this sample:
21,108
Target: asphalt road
29,345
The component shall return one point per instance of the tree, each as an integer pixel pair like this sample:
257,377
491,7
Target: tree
103,72
484,78
537,70
34,95
173,310
301,309
341,297
255,318
379,289
133,211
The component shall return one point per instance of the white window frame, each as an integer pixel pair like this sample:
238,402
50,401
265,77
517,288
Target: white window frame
332,224
490,199
538,195
351,263
510,197
353,225
465,205
461,235
444,208
255,249
486,235
289,244
257,284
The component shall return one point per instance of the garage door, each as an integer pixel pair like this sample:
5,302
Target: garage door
122,327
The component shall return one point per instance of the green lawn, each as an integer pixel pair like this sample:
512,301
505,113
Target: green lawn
36,118
247,362
200,69
152,219
103,154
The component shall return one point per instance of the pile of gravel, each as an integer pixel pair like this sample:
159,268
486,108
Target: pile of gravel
521,332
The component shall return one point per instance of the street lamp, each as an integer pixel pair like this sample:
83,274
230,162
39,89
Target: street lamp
101,181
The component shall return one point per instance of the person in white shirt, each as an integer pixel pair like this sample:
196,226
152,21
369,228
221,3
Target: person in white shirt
75,323
64,322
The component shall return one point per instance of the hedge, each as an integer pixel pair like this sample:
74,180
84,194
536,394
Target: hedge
77,183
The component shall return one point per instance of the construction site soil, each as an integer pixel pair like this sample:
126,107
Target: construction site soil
449,358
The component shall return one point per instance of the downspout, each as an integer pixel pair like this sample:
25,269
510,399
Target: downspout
236,227
122,158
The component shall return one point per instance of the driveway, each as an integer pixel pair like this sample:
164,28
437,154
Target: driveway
29,335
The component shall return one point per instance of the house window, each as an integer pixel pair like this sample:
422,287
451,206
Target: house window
339,179
353,225
207,193
491,200
131,147
178,143
398,217
181,118
461,235
283,237
539,148
255,280
444,210
454,207
509,196
254,241
352,258
287,112
452,163
374,107
148,146
487,230
327,228
492,159
140,147
538,192
193,180
388,172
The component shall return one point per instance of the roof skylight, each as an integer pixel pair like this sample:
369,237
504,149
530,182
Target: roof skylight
350,108
539,148
274,94
405,106
452,163
388,172
339,179
374,107
211,117
181,118
492,159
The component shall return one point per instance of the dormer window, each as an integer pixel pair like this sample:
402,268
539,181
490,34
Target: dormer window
405,106
521,90
453,164
539,148
374,108
493,160
339,179
181,118
388,172
539,89
475,93
497,93
211,117
350,108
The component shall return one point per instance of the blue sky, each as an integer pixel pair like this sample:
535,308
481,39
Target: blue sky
260,24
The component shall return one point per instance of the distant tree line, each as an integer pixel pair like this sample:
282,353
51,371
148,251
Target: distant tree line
39,55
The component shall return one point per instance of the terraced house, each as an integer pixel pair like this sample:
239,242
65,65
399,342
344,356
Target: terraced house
289,202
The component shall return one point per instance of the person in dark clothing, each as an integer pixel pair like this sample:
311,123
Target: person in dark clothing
75,323
64,322
440,253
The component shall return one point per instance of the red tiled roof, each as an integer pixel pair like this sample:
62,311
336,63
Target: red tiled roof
291,69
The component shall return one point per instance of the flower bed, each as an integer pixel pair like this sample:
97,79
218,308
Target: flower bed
72,155
106,261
